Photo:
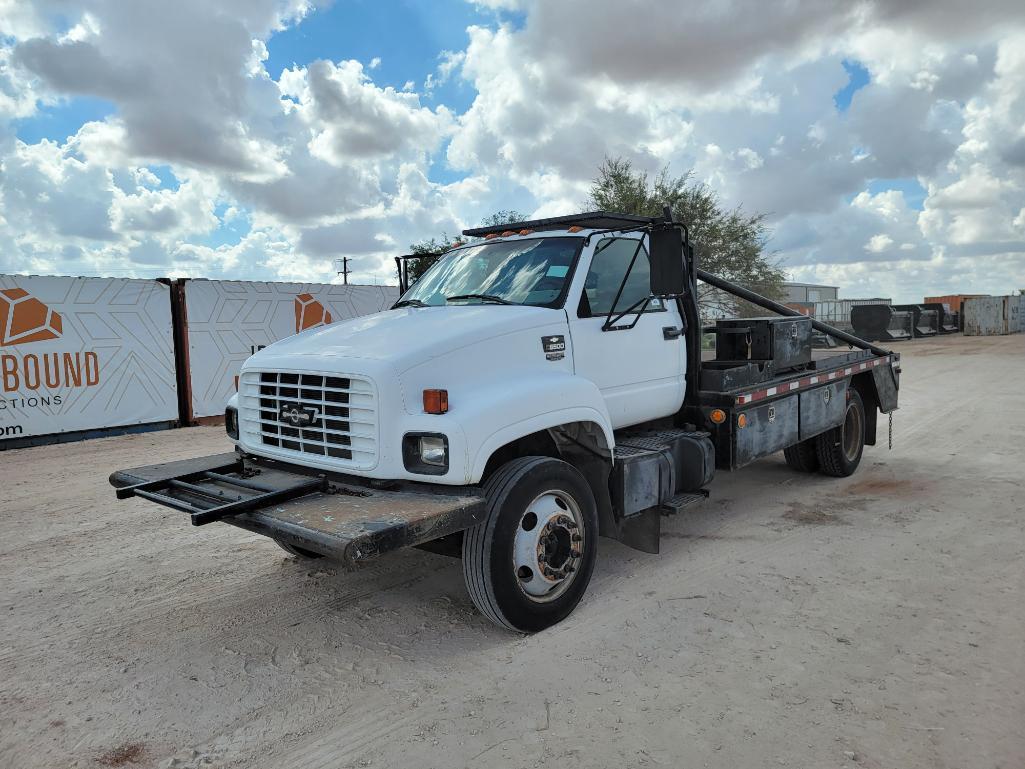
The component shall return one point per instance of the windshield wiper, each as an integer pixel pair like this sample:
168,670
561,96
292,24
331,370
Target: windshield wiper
409,303
482,297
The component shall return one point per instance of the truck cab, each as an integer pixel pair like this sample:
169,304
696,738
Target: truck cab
514,330
534,389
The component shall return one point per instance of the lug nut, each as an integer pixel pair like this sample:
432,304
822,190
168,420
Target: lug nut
575,553
576,538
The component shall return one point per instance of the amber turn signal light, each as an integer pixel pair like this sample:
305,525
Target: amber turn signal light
718,416
742,420
436,401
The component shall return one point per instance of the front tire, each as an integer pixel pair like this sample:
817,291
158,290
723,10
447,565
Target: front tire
839,450
298,552
527,564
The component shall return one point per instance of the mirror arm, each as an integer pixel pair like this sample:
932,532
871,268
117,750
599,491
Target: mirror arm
610,322
622,285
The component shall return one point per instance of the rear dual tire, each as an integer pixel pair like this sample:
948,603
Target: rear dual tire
837,452
802,457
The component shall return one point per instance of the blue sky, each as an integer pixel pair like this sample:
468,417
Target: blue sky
858,78
266,138
406,36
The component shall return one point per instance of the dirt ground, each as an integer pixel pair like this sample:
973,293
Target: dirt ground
876,621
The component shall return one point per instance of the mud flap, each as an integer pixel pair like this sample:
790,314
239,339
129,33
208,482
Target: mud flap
642,531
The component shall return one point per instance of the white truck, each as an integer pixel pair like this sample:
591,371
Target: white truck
537,388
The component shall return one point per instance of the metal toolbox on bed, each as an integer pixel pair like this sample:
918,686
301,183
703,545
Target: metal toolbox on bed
784,341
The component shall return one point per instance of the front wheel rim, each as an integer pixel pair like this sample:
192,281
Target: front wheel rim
548,548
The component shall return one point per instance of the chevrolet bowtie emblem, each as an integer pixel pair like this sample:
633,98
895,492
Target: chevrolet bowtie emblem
297,415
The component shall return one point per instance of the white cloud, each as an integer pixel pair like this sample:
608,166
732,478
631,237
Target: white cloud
327,161
879,243
351,118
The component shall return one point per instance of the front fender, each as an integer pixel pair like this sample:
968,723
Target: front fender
505,411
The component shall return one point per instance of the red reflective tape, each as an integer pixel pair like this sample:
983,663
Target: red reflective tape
757,395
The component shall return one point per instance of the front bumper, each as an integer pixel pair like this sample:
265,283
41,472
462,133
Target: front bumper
337,516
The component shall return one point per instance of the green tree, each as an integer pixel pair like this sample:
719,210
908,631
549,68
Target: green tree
502,217
428,251
728,242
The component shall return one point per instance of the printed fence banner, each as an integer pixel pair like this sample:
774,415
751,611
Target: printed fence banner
83,354
230,320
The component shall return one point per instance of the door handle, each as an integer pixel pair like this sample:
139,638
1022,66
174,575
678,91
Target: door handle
671,332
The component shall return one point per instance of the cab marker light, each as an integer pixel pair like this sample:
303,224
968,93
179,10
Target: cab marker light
436,401
575,228
507,233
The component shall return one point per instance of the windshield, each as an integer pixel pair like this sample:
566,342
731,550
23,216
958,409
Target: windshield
530,272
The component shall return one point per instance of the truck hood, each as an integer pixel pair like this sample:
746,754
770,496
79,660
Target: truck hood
405,337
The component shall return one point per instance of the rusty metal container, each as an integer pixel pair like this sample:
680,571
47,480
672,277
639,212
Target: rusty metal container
955,302
993,316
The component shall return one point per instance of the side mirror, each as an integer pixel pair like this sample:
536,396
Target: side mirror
667,271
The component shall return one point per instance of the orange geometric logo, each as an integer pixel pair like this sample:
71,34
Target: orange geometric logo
23,318
309,313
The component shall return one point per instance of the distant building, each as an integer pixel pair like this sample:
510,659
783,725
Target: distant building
809,292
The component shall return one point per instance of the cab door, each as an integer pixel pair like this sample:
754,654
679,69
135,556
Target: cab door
639,370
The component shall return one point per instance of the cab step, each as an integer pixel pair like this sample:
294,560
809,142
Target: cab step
682,500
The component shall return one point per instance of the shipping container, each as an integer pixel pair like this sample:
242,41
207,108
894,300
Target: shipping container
955,302
994,315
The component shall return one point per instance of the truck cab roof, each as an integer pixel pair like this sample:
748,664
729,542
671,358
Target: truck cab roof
593,220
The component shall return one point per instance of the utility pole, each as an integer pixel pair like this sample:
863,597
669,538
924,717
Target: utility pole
342,268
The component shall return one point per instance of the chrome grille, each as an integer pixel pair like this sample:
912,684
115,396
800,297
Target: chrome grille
332,417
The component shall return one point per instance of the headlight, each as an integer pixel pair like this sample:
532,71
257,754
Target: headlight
425,453
231,422
434,450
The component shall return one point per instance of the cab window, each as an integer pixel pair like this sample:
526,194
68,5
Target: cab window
609,264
